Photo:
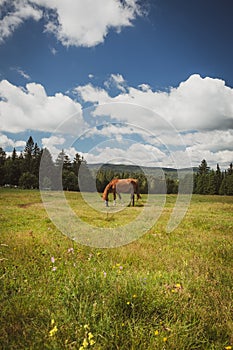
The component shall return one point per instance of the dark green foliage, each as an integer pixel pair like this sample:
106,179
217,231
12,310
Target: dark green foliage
208,181
69,180
28,181
76,175
2,162
172,186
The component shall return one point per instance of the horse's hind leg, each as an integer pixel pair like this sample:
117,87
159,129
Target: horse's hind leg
114,197
133,199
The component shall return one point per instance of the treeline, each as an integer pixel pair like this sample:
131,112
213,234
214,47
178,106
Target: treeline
24,171
209,181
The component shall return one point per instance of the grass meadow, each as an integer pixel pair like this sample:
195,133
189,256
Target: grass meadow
163,291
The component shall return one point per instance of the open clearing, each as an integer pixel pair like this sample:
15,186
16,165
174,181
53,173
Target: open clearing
162,291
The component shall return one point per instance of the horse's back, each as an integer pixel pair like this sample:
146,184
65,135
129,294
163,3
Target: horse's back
124,185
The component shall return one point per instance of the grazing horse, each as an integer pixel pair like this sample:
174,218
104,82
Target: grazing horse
118,186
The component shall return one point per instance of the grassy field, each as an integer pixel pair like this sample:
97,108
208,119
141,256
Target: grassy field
163,291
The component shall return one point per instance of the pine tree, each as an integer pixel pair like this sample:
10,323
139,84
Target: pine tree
15,168
28,152
203,168
36,158
218,179
47,173
211,189
2,168
230,170
60,159
76,163
202,180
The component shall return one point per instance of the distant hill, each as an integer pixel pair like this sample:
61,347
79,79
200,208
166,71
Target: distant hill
153,171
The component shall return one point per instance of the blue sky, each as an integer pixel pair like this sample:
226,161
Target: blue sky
155,75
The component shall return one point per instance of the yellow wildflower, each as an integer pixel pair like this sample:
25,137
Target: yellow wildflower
85,343
165,339
156,332
228,347
53,331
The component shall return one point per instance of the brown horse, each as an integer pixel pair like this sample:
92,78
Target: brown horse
118,186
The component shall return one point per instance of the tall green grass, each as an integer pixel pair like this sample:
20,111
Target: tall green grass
163,291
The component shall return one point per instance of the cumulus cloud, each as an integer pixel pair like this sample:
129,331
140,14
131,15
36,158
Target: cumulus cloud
53,144
136,154
74,23
5,142
56,143
117,81
198,114
196,104
195,117
17,12
89,93
31,108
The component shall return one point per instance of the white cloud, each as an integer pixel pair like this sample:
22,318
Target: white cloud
19,11
111,130
202,110
6,142
31,108
22,73
197,114
53,51
92,94
117,81
196,104
53,140
136,154
144,87
74,23
53,144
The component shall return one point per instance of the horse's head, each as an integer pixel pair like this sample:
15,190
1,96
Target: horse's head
105,193
107,190
110,188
